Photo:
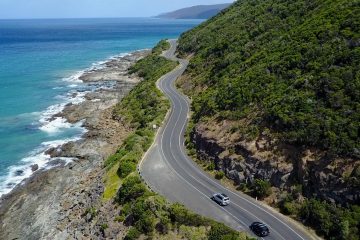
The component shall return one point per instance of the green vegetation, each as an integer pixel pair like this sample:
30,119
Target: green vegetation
290,68
163,45
261,188
295,63
148,212
132,234
112,182
143,107
219,231
92,211
144,211
210,167
327,219
103,227
219,174
193,233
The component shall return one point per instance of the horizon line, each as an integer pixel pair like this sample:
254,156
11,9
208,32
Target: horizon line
74,18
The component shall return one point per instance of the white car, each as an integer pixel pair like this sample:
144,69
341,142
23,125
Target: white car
221,199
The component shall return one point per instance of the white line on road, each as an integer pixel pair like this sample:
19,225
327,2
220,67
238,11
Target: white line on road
164,157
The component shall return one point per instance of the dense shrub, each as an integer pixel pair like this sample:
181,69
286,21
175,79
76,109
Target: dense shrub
160,47
163,225
120,218
131,189
219,175
146,222
126,167
290,208
114,158
180,215
221,232
132,234
211,167
261,188
144,105
331,221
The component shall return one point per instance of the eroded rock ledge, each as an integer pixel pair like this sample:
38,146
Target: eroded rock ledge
284,166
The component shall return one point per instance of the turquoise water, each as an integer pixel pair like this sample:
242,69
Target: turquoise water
39,62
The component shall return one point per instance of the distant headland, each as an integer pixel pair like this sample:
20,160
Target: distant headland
195,12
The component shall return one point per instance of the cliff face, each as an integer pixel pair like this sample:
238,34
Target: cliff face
284,166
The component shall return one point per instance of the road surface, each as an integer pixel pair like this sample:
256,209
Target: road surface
170,172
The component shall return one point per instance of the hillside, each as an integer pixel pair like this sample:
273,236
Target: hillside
275,89
195,12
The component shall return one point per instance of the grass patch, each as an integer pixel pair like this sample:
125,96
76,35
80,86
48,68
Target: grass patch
112,182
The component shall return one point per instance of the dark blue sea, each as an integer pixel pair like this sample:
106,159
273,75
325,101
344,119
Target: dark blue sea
40,62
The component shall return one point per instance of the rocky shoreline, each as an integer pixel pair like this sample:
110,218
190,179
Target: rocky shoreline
59,203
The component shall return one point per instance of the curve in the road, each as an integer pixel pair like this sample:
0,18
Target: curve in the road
173,174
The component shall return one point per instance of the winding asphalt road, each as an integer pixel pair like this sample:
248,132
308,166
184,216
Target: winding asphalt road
170,172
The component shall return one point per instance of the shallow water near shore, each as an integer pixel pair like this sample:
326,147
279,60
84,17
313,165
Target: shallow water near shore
40,63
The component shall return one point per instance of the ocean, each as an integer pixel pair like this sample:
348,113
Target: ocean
40,62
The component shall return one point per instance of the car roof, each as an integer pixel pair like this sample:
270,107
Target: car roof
224,195
221,195
261,225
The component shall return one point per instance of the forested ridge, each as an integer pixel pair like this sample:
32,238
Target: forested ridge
295,63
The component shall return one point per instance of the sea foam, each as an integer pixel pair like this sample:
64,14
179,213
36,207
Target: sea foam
38,158
53,125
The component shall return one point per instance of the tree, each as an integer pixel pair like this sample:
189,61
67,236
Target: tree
261,188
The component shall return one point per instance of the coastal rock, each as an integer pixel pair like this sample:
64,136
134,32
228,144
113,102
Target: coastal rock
53,152
66,202
115,69
19,173
34,167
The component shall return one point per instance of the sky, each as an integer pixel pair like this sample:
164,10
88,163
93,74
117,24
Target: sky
25,9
